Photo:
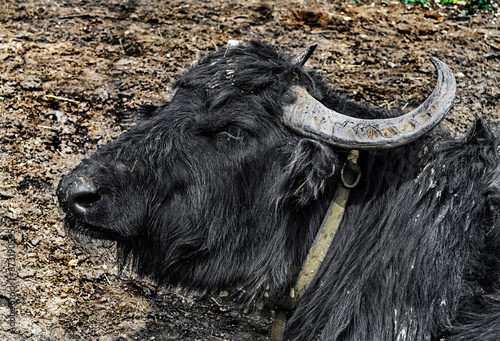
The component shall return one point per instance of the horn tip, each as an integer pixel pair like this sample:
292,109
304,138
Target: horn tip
303,56
435,61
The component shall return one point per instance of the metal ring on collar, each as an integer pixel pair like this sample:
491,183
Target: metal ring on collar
356,171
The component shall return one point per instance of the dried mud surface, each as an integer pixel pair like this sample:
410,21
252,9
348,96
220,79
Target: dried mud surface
72,74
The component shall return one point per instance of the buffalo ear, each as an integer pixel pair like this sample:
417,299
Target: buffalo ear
148,111
311,165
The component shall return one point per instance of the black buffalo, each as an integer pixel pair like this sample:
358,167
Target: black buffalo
227,184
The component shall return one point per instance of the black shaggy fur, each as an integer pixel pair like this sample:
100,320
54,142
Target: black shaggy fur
212,191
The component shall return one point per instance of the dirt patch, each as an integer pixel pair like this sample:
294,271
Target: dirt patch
72,75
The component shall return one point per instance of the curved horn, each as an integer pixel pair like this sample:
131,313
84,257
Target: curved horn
303,56
309,117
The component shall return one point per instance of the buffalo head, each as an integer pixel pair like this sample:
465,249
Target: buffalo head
226,184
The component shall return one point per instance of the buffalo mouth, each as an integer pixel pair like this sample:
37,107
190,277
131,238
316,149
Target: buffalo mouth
77,228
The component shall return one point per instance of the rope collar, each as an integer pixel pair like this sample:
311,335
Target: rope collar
349,178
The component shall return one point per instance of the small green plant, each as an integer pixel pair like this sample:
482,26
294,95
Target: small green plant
478,4
419,1
471,4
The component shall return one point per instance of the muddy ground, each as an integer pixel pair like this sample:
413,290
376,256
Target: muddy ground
72,74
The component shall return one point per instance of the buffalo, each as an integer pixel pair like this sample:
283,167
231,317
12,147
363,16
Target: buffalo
227,184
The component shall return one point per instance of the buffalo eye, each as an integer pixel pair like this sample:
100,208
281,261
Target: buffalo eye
231,135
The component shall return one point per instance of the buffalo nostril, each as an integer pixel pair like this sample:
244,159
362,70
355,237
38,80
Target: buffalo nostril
78,194
86,200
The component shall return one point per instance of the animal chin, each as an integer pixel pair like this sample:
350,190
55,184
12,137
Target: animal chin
91,231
